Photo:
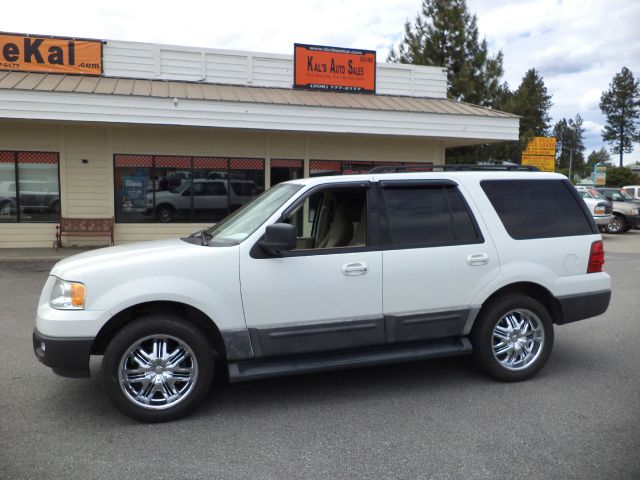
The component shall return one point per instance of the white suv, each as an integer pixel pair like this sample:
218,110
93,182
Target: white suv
333,272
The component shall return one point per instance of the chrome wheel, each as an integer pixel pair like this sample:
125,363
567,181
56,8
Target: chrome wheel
517,339
157,372
616,225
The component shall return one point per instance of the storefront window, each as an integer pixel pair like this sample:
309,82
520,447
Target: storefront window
184,189
283,170
29,187
318,168
133,188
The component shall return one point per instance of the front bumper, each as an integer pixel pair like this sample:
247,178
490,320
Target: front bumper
602,220
68,357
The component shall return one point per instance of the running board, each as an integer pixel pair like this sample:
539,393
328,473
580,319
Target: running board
319,362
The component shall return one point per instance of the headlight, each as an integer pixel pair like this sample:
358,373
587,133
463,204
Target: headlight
635,211
599,211
68,295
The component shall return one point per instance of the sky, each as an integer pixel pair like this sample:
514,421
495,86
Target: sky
576,46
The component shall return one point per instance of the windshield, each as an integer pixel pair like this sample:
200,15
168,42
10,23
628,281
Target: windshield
625,195
242,223
597,195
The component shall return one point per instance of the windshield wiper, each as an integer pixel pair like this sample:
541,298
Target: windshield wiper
205,237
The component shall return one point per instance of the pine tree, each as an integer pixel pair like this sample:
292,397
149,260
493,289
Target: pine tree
532,101
570,137
445,34
621,105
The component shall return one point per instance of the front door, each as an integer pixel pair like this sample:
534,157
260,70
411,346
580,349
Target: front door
327,293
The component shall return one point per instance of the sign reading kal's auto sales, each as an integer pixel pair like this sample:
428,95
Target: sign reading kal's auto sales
33,53
332,68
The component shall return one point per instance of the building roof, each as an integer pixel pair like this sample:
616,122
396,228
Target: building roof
42,82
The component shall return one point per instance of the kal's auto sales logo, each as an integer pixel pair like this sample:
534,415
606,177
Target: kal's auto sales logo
33,53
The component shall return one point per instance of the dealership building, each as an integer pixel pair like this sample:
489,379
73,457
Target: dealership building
168,139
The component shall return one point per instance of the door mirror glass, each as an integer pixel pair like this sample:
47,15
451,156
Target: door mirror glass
278,238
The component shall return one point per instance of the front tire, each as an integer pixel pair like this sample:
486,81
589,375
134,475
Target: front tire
513,337
617,224
157,368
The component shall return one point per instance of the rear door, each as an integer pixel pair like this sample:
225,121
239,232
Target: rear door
435,260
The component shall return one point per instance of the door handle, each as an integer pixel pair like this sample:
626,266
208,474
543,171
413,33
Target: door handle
358,268
477,259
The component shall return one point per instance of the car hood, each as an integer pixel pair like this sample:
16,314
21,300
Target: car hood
78,266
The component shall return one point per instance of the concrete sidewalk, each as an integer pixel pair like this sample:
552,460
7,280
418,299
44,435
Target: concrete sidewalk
39,254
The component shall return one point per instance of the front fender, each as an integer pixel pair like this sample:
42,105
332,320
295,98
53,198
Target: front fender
222,307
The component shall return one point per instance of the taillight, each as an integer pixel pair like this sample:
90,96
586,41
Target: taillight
596,257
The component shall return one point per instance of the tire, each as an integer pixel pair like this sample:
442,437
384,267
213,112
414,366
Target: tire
165,213
508,351
157,390
617,224
5,208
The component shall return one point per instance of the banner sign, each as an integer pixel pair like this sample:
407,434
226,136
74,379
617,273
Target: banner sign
541,146
334,69
541,153
599,175
33,53
544,163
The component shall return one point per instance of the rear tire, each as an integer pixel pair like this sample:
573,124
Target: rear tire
157,368
512,337
165,213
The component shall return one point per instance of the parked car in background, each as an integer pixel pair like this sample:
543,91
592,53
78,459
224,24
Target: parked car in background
626,210
601,209
210,195
633,190
35,196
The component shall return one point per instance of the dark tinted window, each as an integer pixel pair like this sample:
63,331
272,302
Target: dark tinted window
428,215
537,208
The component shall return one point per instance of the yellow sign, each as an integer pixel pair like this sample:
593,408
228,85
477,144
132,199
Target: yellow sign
545,163
541,146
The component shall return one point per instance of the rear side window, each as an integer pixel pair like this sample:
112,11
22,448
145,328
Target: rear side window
428,216
538,208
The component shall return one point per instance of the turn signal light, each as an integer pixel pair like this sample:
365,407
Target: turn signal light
596,257
78,292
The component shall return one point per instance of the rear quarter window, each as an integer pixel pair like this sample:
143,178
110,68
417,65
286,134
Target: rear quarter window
539,208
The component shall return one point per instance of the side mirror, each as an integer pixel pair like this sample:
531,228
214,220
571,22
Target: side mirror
278,238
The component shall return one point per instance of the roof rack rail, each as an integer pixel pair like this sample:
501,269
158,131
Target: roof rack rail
452,167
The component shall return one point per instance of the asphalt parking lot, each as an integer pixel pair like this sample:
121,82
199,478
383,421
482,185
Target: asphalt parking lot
579,418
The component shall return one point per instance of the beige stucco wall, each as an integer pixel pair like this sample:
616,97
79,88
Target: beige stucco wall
87,189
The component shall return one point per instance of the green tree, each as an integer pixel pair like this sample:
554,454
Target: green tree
621,176
570,139
621,106
601,156
531,101
445,35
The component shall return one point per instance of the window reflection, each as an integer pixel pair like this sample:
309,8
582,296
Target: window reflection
185,189
29,188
